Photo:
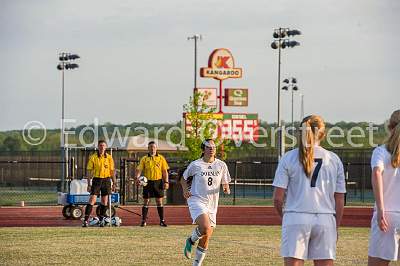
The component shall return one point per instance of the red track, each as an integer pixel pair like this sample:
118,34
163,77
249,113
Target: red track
175,215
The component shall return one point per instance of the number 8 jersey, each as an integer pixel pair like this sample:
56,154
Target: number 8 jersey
207,179
313,194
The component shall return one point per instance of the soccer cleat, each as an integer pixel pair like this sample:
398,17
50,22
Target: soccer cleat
143,224
163,224
85,223
187,251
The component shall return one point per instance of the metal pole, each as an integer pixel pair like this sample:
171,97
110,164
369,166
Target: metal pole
279,99
346,174
121,191
66,162
292,110
195,61
220,96
63,155
62,107
302,107
234,184
72,167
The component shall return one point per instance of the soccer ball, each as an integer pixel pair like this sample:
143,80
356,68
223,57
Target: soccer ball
94,221
116,221
143,181
106,221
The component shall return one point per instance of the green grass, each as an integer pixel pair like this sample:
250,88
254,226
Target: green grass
152,245
245,201
30,197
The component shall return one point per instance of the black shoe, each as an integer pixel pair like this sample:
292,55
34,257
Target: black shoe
143,224
162,223
85,224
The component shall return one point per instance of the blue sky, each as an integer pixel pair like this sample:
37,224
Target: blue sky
137,64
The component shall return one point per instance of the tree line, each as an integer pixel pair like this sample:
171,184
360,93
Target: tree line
14,141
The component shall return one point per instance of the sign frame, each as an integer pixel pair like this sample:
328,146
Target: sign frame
238,97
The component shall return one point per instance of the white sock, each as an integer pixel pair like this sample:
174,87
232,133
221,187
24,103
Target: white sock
196,235
200,255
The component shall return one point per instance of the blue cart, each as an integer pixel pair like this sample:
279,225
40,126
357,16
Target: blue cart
73,204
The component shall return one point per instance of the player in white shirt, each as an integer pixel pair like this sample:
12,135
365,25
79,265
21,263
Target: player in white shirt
313,181
201,183
384,241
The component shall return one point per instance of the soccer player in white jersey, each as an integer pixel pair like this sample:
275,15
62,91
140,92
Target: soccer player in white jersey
385,225
201,183
313,180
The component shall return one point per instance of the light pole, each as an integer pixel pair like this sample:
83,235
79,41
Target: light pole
281,41
301,107
196,37
64,64
292,84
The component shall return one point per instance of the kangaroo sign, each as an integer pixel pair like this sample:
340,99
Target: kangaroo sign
221,65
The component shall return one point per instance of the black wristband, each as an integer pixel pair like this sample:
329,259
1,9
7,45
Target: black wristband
166,182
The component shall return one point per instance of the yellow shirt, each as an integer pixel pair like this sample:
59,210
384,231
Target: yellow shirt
101,166
153,166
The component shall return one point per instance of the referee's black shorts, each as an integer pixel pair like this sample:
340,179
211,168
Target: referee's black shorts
154,189
102,185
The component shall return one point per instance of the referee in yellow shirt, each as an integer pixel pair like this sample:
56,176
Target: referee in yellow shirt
155,168
100,172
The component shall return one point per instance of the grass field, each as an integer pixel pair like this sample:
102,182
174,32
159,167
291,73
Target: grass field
152,245
30,197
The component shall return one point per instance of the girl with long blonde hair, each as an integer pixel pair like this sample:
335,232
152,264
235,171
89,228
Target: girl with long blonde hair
384,241
312,179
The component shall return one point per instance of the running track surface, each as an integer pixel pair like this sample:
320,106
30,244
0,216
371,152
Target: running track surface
174,215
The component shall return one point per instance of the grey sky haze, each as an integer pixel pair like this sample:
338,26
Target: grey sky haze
137,64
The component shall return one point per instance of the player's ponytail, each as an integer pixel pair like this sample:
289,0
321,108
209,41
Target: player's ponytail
393,142
312,129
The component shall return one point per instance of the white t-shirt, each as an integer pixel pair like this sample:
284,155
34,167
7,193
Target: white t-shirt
313,194
207,179
390,178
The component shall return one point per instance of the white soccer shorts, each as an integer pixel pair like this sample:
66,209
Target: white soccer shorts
197,208
309,236
385,245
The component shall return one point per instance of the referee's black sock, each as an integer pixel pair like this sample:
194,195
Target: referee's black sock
88,211
145,210
102,213
160,210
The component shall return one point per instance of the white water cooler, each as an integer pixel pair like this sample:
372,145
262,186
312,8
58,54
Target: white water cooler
78,187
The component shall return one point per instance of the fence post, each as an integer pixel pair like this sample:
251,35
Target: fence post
346,178
363,181
265,180
122,180
72,167
234,184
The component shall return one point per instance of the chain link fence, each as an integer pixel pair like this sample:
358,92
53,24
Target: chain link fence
34,178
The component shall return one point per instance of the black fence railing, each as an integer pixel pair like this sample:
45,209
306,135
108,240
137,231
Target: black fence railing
36,179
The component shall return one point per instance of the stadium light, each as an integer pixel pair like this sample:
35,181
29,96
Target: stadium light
65,64
281,42
291,84
195,37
